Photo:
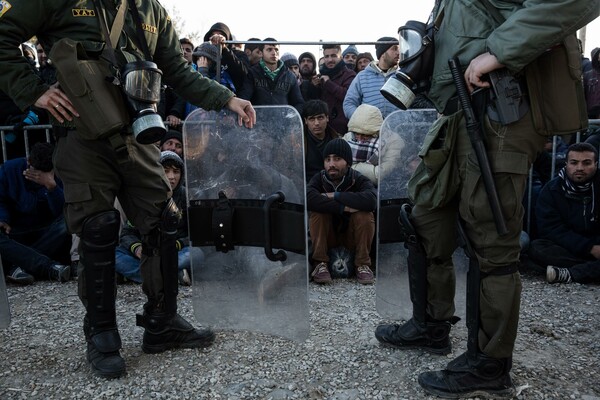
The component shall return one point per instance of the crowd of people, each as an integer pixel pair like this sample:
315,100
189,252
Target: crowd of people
74,228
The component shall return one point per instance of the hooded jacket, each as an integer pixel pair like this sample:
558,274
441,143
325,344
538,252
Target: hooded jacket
333,93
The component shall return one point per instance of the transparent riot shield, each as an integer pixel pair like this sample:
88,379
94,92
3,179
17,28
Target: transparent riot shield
401,137
247,220
4,307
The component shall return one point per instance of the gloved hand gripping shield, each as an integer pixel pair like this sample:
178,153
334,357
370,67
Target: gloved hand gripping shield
141,82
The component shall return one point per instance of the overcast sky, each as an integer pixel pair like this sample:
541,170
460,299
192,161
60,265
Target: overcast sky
312,21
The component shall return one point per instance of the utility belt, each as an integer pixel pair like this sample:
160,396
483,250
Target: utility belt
505,101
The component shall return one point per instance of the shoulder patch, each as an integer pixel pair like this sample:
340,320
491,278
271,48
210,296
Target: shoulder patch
4,7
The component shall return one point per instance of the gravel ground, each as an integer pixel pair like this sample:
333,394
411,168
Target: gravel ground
556,357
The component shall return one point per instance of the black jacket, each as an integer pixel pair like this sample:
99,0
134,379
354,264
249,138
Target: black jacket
569,220
262,90
355,191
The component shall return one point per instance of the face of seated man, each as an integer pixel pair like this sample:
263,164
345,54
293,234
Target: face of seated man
581,166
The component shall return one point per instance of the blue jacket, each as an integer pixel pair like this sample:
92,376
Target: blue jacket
568,220
365,88
24,203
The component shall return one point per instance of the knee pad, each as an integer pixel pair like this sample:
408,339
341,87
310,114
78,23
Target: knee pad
101,231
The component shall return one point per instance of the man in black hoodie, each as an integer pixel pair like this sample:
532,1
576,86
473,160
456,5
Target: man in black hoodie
308,71
230,57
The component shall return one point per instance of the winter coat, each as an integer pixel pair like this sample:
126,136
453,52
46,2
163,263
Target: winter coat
355,191
568,220
333,93
262,90
313,151
365,88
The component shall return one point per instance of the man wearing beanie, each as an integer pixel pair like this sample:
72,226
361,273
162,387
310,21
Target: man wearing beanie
341,204
173,141
349,56
365,88
362,60
308,71
291,62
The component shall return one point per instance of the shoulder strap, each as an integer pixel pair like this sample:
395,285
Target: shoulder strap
493,12
140,32
104,26
117,26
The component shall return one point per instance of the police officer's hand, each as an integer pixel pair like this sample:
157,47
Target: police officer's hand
5,227
244,110
478,67
56,102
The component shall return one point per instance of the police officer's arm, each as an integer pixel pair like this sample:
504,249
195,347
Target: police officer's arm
18,23
537,26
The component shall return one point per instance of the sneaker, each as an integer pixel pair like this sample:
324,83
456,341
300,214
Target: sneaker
321,273
59,272
558,275
17,275
364,275
184,278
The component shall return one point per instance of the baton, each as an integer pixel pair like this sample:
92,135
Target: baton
476,138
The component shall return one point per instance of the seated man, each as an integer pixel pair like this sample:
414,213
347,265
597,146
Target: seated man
568,220
129,251
32,226
341,202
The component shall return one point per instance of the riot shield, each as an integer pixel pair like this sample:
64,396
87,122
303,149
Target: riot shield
4,307
401,136
247,220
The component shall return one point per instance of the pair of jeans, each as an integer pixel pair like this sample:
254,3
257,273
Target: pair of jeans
34,249
129,266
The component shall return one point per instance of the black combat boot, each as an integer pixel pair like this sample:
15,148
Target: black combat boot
164,331
433,337
97,289
103,352
471,377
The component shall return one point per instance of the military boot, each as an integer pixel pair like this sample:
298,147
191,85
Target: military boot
165,331
432,336
478,376
103,352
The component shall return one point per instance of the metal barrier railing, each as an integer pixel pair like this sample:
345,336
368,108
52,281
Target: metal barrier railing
25,129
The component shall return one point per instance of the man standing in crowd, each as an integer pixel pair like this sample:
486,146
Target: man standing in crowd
317,133
568,220
96,168
485,38
340,202
365,88
333,83
270,82
308,72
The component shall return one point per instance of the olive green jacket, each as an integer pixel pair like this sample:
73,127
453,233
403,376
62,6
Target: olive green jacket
530,27
51,20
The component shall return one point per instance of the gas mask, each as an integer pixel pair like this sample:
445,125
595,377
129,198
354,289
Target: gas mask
415,66
142,83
